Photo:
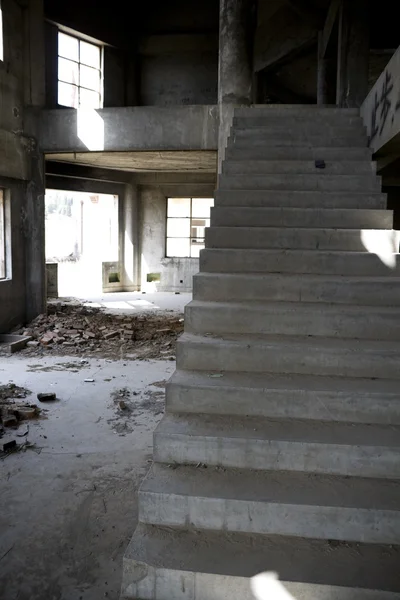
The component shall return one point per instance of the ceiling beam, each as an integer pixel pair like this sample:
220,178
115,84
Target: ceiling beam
331,16
63,169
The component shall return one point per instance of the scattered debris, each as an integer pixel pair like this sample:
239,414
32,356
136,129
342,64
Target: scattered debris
122,405
14,342
216,375
73,328
320,164
9,446
47,397
89,380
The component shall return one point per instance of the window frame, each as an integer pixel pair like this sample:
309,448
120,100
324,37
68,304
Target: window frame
79,64
190,219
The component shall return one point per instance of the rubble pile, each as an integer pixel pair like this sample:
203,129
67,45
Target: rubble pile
77,329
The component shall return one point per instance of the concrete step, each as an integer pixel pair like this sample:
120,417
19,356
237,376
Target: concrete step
293,318
278,138
284,396
289,355
309,152
223,260
299,199
324,131
353,240
243,287
316,182
343,167
190,564
297,111
342,218
266,445
281,503
293,121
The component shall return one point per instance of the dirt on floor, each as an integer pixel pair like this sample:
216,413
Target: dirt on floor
75,329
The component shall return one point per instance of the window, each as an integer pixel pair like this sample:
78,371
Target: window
3,270
187,219
79,72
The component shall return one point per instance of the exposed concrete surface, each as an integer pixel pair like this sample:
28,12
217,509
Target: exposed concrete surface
69,506
380,110
133,128
186,161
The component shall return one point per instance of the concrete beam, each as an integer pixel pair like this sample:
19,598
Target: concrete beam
328,27
62,169
127,129
281,38
53,182
137,162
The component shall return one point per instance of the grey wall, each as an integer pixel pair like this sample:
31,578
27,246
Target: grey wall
176,273
178,69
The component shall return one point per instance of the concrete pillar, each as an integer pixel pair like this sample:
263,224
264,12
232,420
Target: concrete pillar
129,234
353,53
235,64
35,257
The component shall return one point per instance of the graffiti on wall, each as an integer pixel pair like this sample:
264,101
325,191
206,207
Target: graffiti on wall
384,106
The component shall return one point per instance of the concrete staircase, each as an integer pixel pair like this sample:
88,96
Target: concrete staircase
280,447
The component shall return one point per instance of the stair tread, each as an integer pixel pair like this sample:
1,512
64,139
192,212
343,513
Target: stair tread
345,385
283,487
288,430
373,566
296,306
316,343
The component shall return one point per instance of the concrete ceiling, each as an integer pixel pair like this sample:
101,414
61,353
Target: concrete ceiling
204,161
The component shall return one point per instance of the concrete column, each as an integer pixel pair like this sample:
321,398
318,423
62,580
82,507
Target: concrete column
235,64
129,242
35,258
353,53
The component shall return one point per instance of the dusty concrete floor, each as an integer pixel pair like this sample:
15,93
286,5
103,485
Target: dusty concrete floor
68,507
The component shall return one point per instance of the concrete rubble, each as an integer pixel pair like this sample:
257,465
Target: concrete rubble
75,329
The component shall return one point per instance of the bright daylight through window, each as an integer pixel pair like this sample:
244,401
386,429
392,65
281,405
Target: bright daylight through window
79,73
187,219
2,236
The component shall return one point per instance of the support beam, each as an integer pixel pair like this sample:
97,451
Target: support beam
235,64
353,53
80,172
328,27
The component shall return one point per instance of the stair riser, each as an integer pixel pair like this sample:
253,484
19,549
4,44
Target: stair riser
299,199
150,583
318,522
317,141
247,453
286,358
297,166
304,239
272,403
277,288
324,131
308,218
292,321
347,122
275,261
287,152
329,183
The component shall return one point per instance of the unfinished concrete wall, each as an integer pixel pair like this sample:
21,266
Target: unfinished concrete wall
176,274
178,69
